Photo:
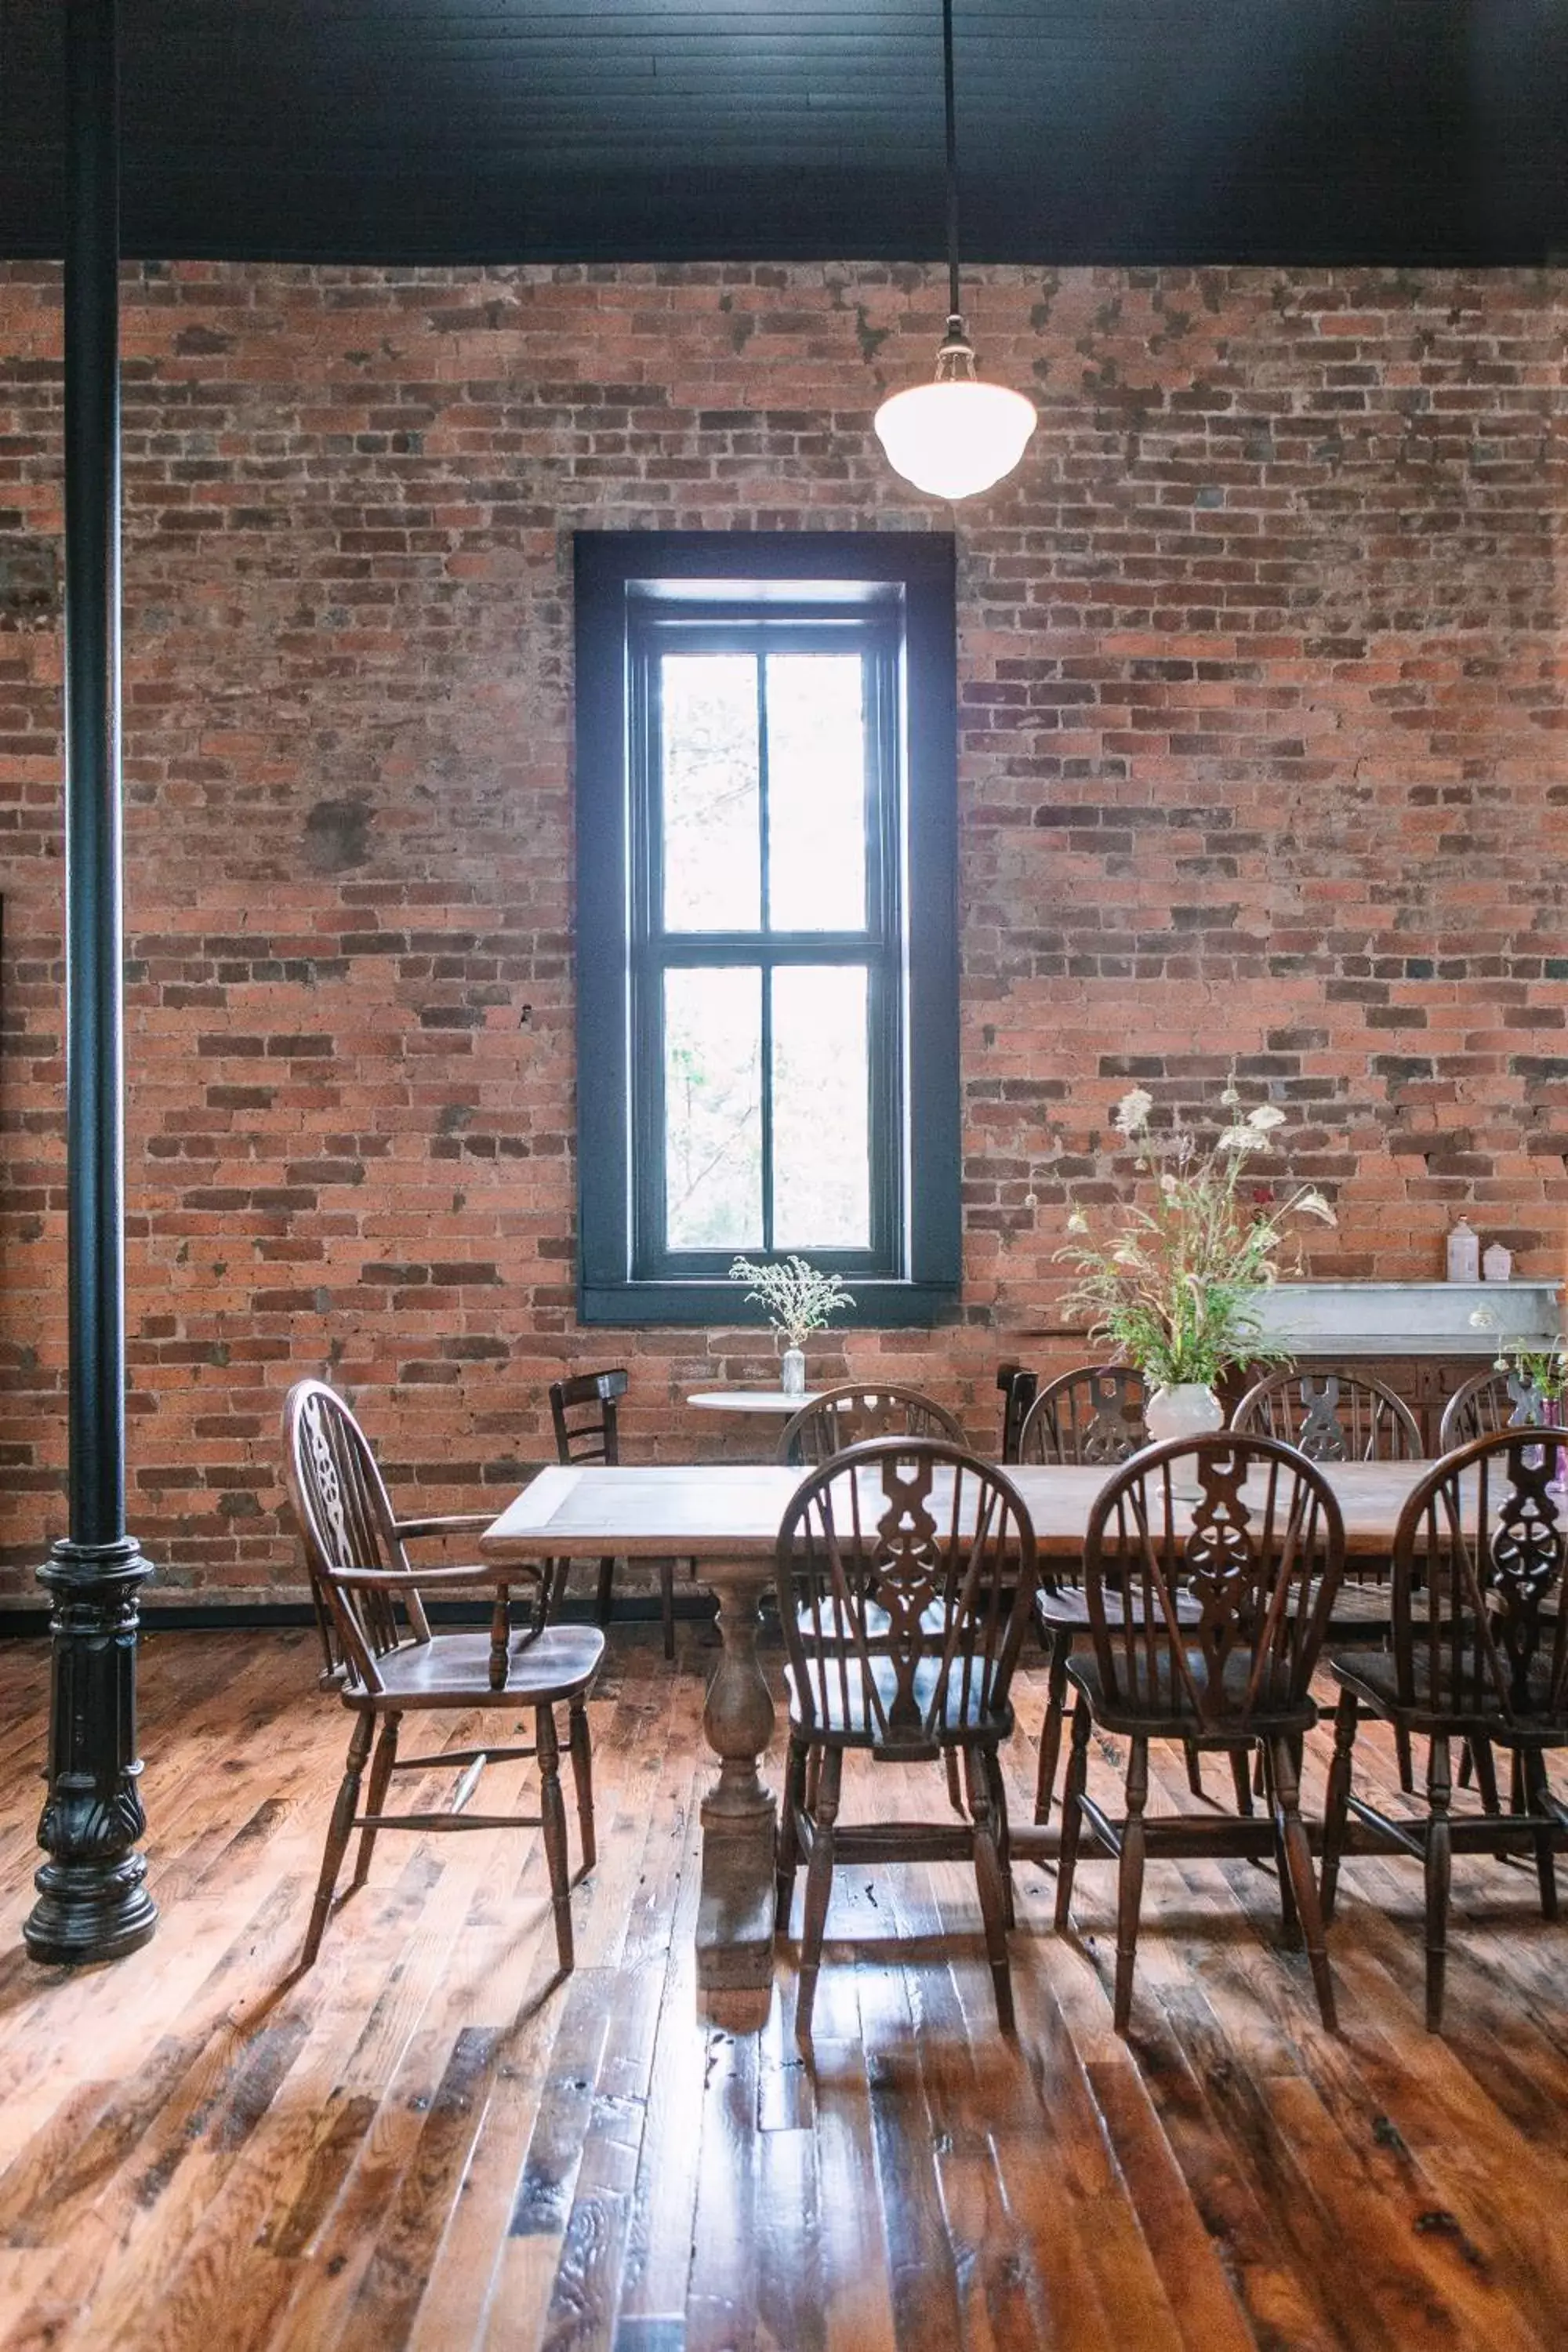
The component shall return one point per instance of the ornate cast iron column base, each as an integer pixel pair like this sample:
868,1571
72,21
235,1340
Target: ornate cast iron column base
93,1902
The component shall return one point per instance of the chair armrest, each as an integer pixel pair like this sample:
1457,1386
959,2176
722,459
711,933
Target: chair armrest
400,1579
448,1523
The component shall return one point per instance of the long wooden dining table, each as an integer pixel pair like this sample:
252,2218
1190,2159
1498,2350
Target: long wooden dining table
726,1516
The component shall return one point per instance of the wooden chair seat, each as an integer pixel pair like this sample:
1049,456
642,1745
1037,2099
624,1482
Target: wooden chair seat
1430,1706
850,1699
1158,1706
452,1670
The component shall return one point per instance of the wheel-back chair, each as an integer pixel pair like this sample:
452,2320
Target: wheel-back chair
906,1571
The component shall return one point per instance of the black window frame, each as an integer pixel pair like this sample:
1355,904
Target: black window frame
635,589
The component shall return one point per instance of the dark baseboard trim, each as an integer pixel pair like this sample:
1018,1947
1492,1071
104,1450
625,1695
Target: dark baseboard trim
27,1624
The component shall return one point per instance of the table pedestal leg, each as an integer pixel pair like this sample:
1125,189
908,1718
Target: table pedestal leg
735,1913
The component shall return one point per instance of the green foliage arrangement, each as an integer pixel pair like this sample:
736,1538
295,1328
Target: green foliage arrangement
1176,1292
798,1297
1543,1369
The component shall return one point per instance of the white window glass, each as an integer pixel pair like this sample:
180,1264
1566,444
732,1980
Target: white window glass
711,805
821,1107
816,792
713,1108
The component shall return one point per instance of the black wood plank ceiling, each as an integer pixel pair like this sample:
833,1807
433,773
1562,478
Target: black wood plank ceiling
1126,130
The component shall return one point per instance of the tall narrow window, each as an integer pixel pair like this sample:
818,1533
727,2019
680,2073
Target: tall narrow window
766,925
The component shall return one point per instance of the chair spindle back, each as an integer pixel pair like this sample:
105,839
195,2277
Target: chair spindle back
1091,1417
1260,1553
906,1571
850,1414
1488,1403
1331,1417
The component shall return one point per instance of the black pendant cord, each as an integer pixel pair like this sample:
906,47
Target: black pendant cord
954,303
93,1902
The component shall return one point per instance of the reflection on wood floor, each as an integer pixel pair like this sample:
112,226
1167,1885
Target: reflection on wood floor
430,2141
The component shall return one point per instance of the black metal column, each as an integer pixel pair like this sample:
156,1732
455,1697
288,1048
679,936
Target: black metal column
93,1902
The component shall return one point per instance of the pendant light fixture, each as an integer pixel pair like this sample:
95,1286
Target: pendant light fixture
959,435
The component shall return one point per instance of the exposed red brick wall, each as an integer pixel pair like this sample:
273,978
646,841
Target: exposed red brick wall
1263,717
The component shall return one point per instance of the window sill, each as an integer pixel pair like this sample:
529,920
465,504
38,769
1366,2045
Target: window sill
879,1306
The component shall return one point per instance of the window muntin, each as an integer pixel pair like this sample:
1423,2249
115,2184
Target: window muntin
766,941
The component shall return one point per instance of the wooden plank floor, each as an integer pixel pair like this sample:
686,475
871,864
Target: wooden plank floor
430,2141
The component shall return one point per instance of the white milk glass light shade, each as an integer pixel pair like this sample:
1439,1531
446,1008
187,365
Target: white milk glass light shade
959,435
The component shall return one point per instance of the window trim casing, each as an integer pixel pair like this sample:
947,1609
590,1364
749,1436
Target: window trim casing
609,568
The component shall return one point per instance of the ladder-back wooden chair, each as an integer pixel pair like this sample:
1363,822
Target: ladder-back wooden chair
393,1665
1091,1417
1480,1653
583,1410
1488,1402
1258,1556
855,1412
905,1568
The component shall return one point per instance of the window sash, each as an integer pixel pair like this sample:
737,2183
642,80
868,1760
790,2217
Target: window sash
877,948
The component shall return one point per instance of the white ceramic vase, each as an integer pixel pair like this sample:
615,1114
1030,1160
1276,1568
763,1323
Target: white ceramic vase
1187,1410
791,1372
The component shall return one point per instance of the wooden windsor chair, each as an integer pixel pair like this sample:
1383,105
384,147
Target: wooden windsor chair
1205,1623
583,1412
1479,1654
393,1665
849,1415
905,1571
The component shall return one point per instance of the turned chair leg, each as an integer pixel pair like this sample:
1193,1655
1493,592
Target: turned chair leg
1072,1814
789,1834
554,1813
1241,1781
1289,1916
1129,1880
1291,1836
1407,1760
1439,1847
1195,1768
818,1883
1479,1753
1051,1730
954,1788
989,1879
583,1778
1546,1837
338,1831
375,1796
1336,1810
997,1788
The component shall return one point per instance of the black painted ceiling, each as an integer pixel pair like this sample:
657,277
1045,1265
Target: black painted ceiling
1124,131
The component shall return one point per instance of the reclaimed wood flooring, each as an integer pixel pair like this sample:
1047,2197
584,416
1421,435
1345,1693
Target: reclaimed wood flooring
430,2141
